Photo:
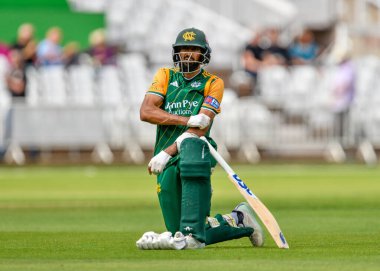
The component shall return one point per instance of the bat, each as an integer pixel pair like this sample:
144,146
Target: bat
260,209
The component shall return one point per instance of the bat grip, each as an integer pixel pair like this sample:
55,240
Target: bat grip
218,157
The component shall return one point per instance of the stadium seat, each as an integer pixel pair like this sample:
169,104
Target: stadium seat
273,83
256,126
135,76
109,88
81,85
225,130
138,136
302,82
4,65
33,94
161,20
52,85
372,126
3,113
4,94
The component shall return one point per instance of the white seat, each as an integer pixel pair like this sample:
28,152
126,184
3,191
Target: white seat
109,86
161,20
52,85
4,66
255,121
273,83
136,76
81,80
144,133
302,86
372,126
5,97
138,135
225,128
33,95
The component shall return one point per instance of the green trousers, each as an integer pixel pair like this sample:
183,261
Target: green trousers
184,192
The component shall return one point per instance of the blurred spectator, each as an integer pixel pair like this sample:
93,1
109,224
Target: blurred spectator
100,52
49,51
71,54
304,50
4,50
264,49
26,43
343,88
15,77
252,56
273,52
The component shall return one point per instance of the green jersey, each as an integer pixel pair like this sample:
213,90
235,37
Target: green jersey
184,97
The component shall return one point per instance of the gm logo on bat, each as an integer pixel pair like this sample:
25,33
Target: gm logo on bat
243,185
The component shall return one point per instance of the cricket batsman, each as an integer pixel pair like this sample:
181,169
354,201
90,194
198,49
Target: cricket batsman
182,102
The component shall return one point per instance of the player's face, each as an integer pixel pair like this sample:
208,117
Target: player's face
190,58
190,53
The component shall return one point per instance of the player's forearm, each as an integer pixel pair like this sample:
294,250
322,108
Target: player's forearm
156,115
172,149
197,131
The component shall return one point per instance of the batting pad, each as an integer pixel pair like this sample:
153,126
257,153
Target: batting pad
195,171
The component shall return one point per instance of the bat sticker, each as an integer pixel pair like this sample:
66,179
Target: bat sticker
243,185
282,237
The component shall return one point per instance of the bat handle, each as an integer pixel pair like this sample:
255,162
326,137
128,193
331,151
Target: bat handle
218,157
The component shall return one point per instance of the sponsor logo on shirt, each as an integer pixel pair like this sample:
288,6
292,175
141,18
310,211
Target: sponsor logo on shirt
212,101
182,108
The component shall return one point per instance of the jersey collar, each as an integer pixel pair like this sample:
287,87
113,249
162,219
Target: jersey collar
189,79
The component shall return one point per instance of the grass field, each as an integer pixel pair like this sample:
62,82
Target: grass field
88,218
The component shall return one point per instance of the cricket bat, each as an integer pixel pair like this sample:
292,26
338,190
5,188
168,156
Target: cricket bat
260,209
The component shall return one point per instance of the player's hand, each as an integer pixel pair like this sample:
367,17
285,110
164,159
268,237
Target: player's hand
201,121
158,163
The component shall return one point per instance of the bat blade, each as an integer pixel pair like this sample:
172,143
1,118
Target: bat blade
261,210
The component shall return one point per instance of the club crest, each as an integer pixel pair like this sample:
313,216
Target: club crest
189,36
196,84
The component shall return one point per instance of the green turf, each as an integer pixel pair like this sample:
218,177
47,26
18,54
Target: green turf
88,218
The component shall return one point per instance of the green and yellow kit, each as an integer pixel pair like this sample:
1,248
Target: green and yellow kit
184,97
184,186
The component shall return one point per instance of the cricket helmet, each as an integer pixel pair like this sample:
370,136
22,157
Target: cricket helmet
191,37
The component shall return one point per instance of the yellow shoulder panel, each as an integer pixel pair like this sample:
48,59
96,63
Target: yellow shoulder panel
160,82
214,89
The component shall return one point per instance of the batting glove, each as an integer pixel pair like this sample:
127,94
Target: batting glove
158,163
165,240
182,137
147,240
201,121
